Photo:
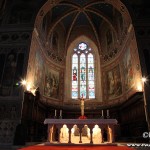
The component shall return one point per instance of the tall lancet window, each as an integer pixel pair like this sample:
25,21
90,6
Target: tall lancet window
83,78
75,76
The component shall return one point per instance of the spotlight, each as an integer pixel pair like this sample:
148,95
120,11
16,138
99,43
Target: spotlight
23,82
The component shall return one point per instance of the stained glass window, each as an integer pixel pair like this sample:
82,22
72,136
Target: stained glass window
91,87
83,78
75,76
82,46
82,75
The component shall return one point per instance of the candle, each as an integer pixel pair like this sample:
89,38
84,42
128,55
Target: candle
107,112
102,113
55,112
60,112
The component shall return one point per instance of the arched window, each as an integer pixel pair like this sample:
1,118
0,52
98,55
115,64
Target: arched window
83,79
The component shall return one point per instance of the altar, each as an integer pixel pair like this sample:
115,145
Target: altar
93,131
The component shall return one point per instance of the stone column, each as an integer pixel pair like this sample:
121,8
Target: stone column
91,126
50,133
111,134
59,131
69,127
80,130
91,134
102,132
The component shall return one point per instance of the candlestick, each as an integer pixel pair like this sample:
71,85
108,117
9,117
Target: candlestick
102,113
60,112
107,112
55,112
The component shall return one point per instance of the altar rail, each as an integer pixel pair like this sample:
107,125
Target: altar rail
104,124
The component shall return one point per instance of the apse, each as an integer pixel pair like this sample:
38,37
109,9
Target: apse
104,27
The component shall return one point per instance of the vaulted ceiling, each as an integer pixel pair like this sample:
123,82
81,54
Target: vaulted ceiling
77,13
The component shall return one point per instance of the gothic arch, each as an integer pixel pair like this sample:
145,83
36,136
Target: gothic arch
98,92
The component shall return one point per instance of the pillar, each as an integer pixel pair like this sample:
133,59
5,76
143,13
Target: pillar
59,131
69,127
102,132
91,134
111,134
50,133
80,129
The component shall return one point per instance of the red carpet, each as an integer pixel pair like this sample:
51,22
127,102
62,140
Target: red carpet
77,148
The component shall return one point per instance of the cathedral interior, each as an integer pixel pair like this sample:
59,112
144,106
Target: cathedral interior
55,52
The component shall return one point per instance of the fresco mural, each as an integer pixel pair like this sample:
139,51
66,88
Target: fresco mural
128,70
38,76
51,87
10,68
109,39
120,21
54,42
8,74
114,84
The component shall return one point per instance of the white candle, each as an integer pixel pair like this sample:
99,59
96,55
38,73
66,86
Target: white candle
102,113
60,112
55,112
107,112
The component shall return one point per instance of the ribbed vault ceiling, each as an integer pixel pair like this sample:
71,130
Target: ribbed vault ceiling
75,13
